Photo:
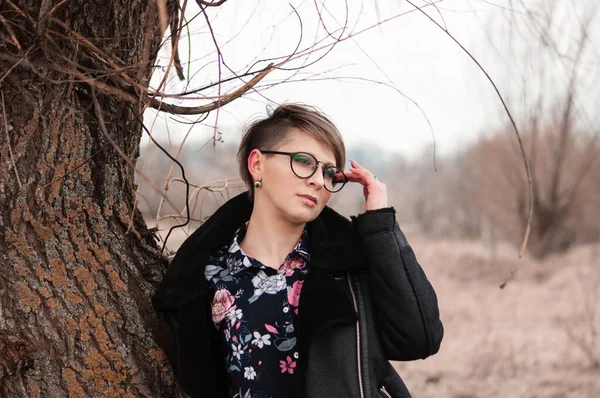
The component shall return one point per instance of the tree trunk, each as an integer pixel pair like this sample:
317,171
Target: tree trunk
75,285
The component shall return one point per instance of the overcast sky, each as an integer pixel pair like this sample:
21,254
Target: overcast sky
368,82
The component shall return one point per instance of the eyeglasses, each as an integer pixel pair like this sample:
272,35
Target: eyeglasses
304,165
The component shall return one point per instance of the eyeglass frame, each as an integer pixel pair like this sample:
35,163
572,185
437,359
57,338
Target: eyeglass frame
292,154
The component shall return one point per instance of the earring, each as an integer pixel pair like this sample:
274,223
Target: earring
257,184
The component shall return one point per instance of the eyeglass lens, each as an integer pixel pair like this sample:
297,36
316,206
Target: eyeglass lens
304,165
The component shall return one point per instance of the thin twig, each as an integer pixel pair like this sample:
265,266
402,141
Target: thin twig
175,43
210,3
20,12
13,37
220,73
187,189
163,82
393,86
211,185
8,72
53,10
12,159
177,217
100,117
43,15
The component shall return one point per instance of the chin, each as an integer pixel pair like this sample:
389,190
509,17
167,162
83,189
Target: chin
304,215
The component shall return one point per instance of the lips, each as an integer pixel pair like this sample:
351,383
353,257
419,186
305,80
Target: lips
309,197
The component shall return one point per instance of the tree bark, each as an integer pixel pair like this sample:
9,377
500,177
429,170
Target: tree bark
75,284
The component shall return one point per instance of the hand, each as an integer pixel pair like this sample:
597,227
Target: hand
373,189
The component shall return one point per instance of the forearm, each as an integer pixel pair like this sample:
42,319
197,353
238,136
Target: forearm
405,301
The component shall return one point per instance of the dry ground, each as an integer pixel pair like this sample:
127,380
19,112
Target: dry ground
539,337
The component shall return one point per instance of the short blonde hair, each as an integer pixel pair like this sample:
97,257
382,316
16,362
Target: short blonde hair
269,132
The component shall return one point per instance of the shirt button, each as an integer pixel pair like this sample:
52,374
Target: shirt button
286,309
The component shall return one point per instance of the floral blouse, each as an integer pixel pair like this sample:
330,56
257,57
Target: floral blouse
255,308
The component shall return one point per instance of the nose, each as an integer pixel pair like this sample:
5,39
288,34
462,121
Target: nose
317,180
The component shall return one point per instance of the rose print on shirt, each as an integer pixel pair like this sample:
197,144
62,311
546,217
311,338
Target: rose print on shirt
222,303
292,263
294,293
267,284
254,309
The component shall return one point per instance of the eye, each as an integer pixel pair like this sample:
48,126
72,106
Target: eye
334,174
303,159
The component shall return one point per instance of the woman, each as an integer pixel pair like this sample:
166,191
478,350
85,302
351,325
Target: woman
277,295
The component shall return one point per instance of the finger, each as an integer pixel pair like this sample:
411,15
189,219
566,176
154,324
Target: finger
364,173
358,167
355,164
355,177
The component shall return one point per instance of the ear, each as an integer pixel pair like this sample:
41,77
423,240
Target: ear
255,164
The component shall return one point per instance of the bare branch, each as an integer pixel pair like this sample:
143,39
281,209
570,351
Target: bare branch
100,117
223,100
162,15
210,3
174,26
13,37
17,63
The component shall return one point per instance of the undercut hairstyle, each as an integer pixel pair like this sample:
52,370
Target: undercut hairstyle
271,132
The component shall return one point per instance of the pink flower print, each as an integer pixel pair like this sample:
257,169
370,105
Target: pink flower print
294,293
271,329
287,366
222,303
291,264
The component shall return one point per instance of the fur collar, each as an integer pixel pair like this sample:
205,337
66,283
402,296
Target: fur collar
335,247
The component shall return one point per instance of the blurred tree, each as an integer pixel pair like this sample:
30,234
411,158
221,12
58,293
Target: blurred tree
549,71
564,194
557,80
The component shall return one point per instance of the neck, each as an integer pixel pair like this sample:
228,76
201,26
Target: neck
270,238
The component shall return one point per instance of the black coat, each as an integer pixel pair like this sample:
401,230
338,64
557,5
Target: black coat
365,301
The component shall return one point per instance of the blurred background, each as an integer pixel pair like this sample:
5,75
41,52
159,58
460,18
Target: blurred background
423,114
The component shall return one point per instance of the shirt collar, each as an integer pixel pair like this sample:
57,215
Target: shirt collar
302,249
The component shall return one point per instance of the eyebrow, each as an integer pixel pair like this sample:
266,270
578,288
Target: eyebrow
326,163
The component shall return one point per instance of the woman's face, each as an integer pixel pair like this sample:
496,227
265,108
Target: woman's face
296,199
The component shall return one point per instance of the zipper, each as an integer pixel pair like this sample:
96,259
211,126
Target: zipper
384,392
360,381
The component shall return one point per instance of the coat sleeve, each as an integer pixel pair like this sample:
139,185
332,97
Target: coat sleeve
406,305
